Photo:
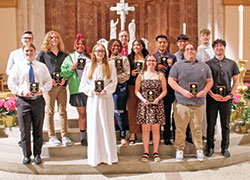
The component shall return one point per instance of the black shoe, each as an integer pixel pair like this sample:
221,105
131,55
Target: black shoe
26,160
84,142
210,152
123,134
167,142
38,160
189,140
225,153
19,143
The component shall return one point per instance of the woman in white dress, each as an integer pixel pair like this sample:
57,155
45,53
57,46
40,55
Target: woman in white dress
100,107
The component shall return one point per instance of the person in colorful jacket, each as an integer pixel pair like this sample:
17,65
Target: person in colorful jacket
72,69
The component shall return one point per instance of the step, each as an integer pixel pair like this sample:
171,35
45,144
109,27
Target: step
126,165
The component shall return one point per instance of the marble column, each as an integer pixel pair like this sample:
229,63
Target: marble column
31,16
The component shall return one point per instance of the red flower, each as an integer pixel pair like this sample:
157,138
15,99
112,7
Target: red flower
247,84
10,105
236,98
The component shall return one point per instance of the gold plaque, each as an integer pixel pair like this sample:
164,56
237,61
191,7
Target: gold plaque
221,90
34,87
119,65
151,95
81,62
193,88
164,61
138,66
99,85
57,77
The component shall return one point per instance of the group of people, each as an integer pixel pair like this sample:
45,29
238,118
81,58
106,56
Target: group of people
138,88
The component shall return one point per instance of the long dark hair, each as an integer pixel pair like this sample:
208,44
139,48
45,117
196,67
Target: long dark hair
144,50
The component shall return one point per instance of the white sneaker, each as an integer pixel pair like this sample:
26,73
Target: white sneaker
200,155
54,141
179,155
66,141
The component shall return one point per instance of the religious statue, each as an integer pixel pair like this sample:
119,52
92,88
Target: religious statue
131,28
113,28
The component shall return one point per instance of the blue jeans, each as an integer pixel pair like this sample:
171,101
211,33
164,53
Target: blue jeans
120,99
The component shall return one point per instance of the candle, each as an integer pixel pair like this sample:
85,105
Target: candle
240,32
184,28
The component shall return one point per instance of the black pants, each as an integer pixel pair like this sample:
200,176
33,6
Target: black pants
224,108
31,112
168,101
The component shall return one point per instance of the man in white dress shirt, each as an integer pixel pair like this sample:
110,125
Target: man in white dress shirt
17,55
29,80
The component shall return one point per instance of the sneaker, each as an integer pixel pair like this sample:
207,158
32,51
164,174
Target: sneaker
54,141
66,141
200,155
179,155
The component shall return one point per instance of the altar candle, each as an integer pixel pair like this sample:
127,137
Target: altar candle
240,32
184,28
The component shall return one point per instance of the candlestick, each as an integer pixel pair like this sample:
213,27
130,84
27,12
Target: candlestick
184,28
240,32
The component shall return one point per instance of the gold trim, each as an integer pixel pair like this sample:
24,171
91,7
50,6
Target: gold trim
8,3
236,2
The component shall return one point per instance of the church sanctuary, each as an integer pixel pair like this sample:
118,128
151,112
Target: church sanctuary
78,99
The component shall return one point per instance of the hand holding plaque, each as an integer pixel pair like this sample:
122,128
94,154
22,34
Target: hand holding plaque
151,95
119,65
99,85
81,62
34,87
193,88
221,90
164,61
138,66
57,77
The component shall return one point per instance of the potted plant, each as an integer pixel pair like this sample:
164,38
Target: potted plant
245,119
8,111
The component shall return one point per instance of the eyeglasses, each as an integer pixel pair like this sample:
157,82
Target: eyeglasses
151,60
27,38
99,51
53,37
189,49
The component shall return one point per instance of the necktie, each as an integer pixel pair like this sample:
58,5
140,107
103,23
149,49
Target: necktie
31,73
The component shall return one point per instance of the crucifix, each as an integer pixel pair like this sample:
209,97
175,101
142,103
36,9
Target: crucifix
122,8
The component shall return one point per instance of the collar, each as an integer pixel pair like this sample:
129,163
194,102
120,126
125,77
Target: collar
186,61
217,60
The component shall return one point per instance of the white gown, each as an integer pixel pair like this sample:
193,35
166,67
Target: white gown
100,116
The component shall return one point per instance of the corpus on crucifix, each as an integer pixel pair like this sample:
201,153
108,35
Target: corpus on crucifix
122,9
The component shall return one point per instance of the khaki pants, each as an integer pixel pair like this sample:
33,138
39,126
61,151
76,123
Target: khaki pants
183,115
59,94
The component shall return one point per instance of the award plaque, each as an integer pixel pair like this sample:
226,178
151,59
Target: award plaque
119,65
57,77
164,61
138,66
34,87
221,90
99,85
81,63
193,88
151,95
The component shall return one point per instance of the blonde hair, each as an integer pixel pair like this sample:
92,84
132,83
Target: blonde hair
46,42
105,65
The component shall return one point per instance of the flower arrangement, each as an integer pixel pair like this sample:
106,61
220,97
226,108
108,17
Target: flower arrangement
8,107
236,99
247,93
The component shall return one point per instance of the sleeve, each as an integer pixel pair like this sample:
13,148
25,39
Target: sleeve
235,69
13,81
85,84
173,71
66,67
111,85
10,63
47,80
209,72
40,57
198,55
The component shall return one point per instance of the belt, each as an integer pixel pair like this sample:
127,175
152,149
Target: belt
190,104
29,98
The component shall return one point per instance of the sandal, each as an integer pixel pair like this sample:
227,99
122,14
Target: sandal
145,157
156,157
124,142
131,141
